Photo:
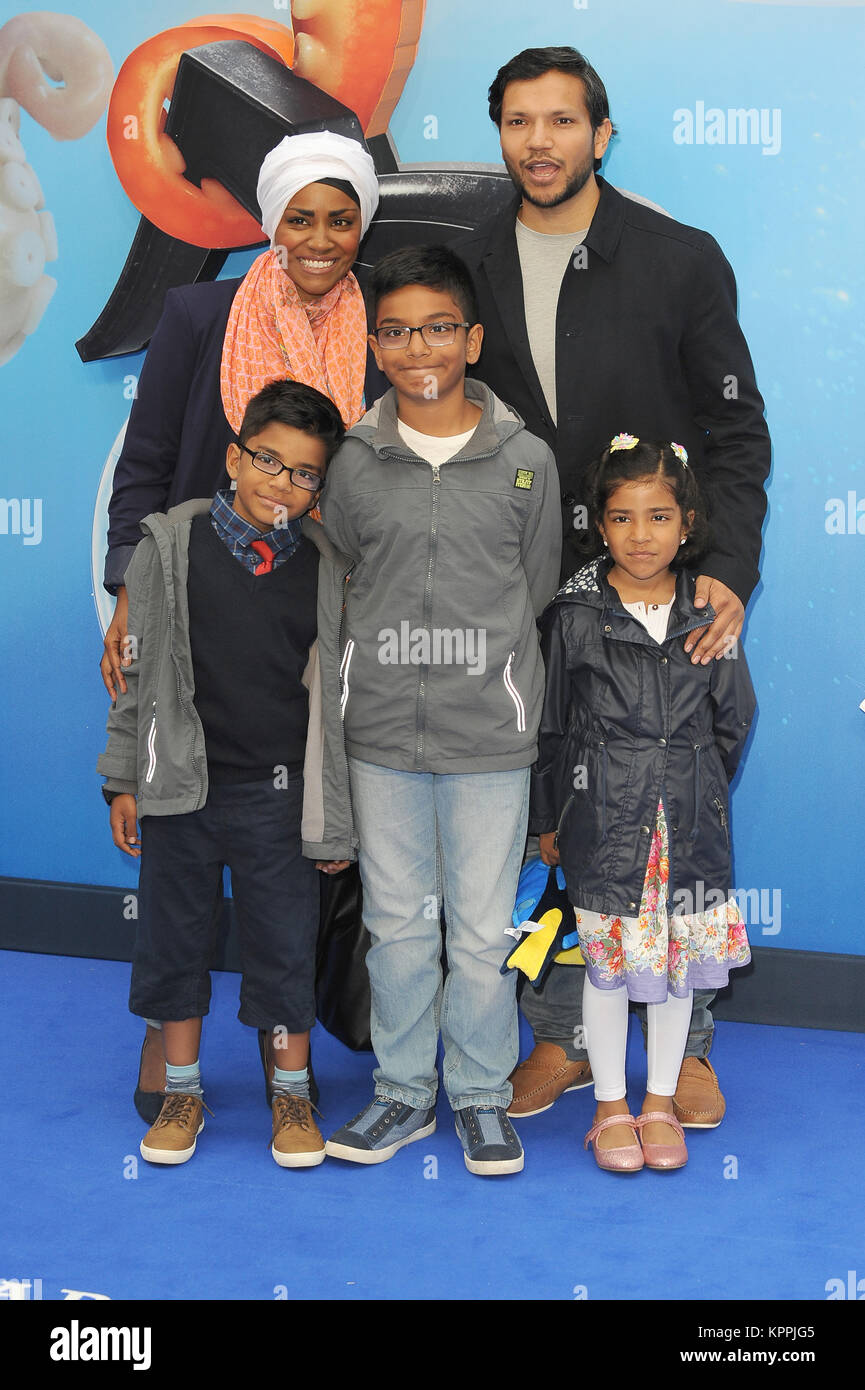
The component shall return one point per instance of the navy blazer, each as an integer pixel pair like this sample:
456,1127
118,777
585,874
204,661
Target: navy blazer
177,434
648,342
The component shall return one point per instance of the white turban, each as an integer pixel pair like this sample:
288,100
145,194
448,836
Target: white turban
299,160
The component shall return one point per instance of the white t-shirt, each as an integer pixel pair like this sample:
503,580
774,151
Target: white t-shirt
436,449
544,259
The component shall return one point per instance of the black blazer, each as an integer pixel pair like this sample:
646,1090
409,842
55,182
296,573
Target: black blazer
175,443
647,341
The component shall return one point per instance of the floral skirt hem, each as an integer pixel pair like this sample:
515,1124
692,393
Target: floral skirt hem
661,953
646,988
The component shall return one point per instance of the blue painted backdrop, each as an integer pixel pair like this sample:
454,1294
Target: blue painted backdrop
788,211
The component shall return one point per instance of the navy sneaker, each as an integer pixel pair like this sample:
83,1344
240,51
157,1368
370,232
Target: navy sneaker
489,1140
378,1131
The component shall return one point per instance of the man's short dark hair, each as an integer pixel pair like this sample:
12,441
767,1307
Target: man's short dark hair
298,405
434,267
536,62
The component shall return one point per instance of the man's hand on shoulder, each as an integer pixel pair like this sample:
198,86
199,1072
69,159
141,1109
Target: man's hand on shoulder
715,640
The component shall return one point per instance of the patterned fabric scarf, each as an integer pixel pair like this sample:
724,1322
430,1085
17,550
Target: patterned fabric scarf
271,335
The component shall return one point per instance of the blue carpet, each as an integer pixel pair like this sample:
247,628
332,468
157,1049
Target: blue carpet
80,1210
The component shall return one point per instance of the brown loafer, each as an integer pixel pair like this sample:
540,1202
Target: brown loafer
544,1076
150,1090
698,1103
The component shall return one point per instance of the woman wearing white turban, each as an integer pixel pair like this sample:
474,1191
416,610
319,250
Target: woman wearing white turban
298,313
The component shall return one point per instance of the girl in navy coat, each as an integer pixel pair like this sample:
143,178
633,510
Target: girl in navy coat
636,748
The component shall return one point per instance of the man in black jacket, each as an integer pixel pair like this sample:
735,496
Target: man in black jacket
603,315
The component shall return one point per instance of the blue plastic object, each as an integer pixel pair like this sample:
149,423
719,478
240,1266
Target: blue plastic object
533,883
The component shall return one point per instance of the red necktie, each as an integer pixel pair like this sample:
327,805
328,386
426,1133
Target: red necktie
263,549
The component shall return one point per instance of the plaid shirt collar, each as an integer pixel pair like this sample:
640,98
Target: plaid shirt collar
238,534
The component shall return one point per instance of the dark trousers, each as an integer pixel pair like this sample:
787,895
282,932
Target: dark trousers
255,830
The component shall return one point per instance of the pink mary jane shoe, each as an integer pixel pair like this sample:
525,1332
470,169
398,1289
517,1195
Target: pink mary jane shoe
627,1160
663,1156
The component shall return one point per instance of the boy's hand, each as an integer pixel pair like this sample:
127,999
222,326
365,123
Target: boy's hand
124,824
332,866
549,853
114,658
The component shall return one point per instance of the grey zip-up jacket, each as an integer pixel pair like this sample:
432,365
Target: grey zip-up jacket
441,668
155,747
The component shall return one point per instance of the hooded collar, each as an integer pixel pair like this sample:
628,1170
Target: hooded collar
591,588
498,422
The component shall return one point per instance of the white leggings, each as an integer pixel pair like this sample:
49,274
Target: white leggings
605,1020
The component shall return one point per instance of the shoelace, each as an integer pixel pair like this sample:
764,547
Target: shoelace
292,1110
178,1109
475,1133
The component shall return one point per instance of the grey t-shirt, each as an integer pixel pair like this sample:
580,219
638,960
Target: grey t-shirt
544,258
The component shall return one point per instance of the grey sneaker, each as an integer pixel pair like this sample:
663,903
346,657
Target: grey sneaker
378,1131
489,1140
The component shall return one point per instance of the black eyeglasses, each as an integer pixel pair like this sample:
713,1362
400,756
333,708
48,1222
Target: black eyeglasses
433,334
300,477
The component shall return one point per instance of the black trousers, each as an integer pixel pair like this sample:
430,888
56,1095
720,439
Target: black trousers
255,830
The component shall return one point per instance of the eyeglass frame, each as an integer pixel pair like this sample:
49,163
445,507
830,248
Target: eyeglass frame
283,467
417,328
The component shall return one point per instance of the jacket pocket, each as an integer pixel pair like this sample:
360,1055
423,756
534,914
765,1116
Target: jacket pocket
568,804
151,748
515,695
603,747
343,676
722,817
696,820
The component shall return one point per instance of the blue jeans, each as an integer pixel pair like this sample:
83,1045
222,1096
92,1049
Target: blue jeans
427,840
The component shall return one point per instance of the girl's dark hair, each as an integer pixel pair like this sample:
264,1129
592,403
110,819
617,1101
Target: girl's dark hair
647,459
298,405
435,267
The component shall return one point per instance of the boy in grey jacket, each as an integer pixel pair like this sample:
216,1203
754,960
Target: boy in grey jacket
450,511
211,736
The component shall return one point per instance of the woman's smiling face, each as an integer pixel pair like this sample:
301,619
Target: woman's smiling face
317,239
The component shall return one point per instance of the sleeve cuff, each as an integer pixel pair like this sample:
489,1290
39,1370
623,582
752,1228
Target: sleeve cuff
117,562
117,789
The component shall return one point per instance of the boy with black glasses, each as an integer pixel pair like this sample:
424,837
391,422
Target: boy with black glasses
449,509
211,736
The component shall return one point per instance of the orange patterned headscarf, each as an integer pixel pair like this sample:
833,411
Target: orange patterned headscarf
272,335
